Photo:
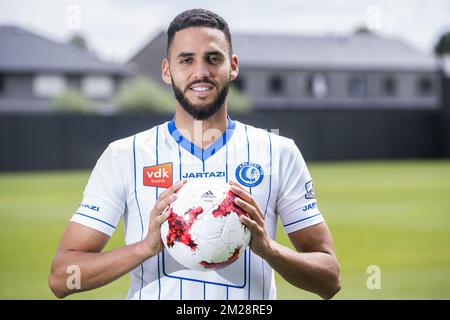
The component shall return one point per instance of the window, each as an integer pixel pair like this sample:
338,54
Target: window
389,86
357,86
425,86
2,83
48,85
97,86
276,85
317,85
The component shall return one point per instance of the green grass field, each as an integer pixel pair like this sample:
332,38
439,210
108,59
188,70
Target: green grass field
395,215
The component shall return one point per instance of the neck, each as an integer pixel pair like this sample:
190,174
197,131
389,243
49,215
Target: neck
202,133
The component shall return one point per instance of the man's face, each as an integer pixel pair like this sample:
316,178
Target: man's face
199,68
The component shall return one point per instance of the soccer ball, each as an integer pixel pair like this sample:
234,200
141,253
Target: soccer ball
203,231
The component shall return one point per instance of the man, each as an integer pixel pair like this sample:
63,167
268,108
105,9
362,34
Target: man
266,172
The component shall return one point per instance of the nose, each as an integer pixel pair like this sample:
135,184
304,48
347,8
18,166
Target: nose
201,70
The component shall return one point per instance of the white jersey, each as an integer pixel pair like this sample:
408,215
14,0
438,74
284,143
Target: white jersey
132,172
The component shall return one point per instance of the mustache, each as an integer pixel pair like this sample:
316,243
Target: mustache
203,80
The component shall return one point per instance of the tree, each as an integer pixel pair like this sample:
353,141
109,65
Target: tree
363,30
79,41
442,47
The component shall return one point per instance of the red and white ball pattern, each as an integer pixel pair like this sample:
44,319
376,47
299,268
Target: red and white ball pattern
203,231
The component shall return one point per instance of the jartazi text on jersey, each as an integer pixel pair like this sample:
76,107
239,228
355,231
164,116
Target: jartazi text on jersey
206,174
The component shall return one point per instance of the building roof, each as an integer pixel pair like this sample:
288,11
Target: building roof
355,52
25,51
359,51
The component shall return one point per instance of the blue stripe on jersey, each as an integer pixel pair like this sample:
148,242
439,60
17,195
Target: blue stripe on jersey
250,191
248,153
156,198
267,203
181,289
226,177
139,210
270,173
202,154
85,215
204,291
203,162
226,158
179,155
181,283
289,224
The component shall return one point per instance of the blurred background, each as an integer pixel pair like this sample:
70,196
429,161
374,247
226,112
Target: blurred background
363,87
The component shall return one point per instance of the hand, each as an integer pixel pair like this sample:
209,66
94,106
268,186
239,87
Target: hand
260,242
152,242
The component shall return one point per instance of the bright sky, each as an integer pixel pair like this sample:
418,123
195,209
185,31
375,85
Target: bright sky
117,29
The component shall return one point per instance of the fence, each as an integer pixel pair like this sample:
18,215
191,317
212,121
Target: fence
69,141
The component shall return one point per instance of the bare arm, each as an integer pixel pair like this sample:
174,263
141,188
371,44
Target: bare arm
313,267
81,247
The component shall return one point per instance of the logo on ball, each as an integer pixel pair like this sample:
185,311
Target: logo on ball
249,174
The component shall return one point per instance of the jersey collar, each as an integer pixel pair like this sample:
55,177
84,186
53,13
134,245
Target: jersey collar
200,153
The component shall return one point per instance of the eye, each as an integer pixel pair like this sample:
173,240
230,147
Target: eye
186,60
214,59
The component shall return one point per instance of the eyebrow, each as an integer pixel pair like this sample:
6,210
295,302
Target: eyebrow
185,54
214,52
190,54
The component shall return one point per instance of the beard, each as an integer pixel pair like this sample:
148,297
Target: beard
201,112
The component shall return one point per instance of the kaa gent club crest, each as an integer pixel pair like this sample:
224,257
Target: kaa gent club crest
249,174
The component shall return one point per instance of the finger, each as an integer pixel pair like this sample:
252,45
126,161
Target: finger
234,183
247,207
251,210
241,193
244,195
251,224
161,204
164,216
174,188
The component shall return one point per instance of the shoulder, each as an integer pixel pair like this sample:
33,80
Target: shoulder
268,136
129,144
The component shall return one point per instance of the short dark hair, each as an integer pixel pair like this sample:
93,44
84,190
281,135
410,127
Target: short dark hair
198,18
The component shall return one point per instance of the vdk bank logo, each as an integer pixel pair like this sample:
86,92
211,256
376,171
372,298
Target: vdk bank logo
158,176
249,174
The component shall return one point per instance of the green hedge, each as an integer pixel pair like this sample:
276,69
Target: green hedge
72,100
144,94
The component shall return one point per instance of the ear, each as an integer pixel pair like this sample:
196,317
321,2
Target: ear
234,67
165,71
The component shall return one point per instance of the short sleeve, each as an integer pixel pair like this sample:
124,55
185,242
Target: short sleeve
104,196
296,202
